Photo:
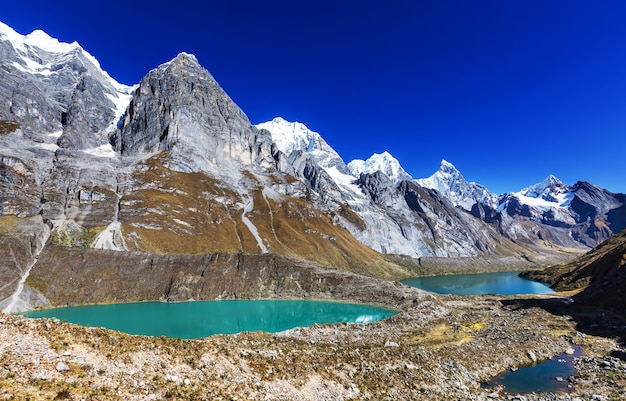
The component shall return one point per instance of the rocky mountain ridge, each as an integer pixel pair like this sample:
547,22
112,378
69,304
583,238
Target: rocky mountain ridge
588,213
182,171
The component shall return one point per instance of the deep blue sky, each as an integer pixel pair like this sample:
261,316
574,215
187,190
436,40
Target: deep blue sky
508,91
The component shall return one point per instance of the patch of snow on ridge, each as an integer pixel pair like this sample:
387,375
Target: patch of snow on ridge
347,183
102,151
548,194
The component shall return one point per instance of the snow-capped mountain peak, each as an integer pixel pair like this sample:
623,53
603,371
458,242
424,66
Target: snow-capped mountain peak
383,162
446,166
449,181
548,189
291,136
39,53
547,194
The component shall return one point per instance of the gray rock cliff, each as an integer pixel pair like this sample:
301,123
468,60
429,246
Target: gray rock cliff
179,107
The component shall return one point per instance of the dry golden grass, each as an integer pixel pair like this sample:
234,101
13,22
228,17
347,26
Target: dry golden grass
8,126
439,336
185,211
192,213
295,228
8,224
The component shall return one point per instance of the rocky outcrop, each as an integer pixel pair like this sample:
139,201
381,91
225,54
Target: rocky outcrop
77,276
89,113
600,274
21,240
179,107
48,86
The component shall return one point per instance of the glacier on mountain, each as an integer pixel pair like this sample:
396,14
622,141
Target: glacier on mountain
450,182
383,162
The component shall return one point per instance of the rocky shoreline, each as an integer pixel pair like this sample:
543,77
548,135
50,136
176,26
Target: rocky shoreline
436,348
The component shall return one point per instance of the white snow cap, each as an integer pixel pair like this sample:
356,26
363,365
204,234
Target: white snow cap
38,39
383,162
291,136
550,193
449,181
29,47
549,186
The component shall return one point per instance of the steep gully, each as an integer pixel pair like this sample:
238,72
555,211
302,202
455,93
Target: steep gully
14,299
111,237
248,208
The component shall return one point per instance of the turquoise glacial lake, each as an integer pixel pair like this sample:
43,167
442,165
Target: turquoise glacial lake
503,283
204,318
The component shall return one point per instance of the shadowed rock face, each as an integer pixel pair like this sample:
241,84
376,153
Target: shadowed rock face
590,216
89,112
108,276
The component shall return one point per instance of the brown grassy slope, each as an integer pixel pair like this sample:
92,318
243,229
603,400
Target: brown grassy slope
191,213
600,274
295,228
8,126
179,213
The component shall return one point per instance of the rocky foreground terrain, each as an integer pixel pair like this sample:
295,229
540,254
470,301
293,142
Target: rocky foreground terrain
435,349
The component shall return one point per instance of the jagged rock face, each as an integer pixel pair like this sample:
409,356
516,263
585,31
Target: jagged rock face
49,86
518,209
88,114
451,183
110,276
20,194
180,108
379,188
23,97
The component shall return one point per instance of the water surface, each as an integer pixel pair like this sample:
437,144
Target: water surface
545,377
503,283
204,318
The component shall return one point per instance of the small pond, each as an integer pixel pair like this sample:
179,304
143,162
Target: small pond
204,318
545,377
504,283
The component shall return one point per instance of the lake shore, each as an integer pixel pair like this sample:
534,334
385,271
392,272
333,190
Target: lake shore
437,348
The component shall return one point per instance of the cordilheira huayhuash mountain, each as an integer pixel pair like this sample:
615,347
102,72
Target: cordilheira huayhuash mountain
166,191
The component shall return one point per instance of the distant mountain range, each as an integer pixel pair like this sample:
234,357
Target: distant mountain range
173,166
